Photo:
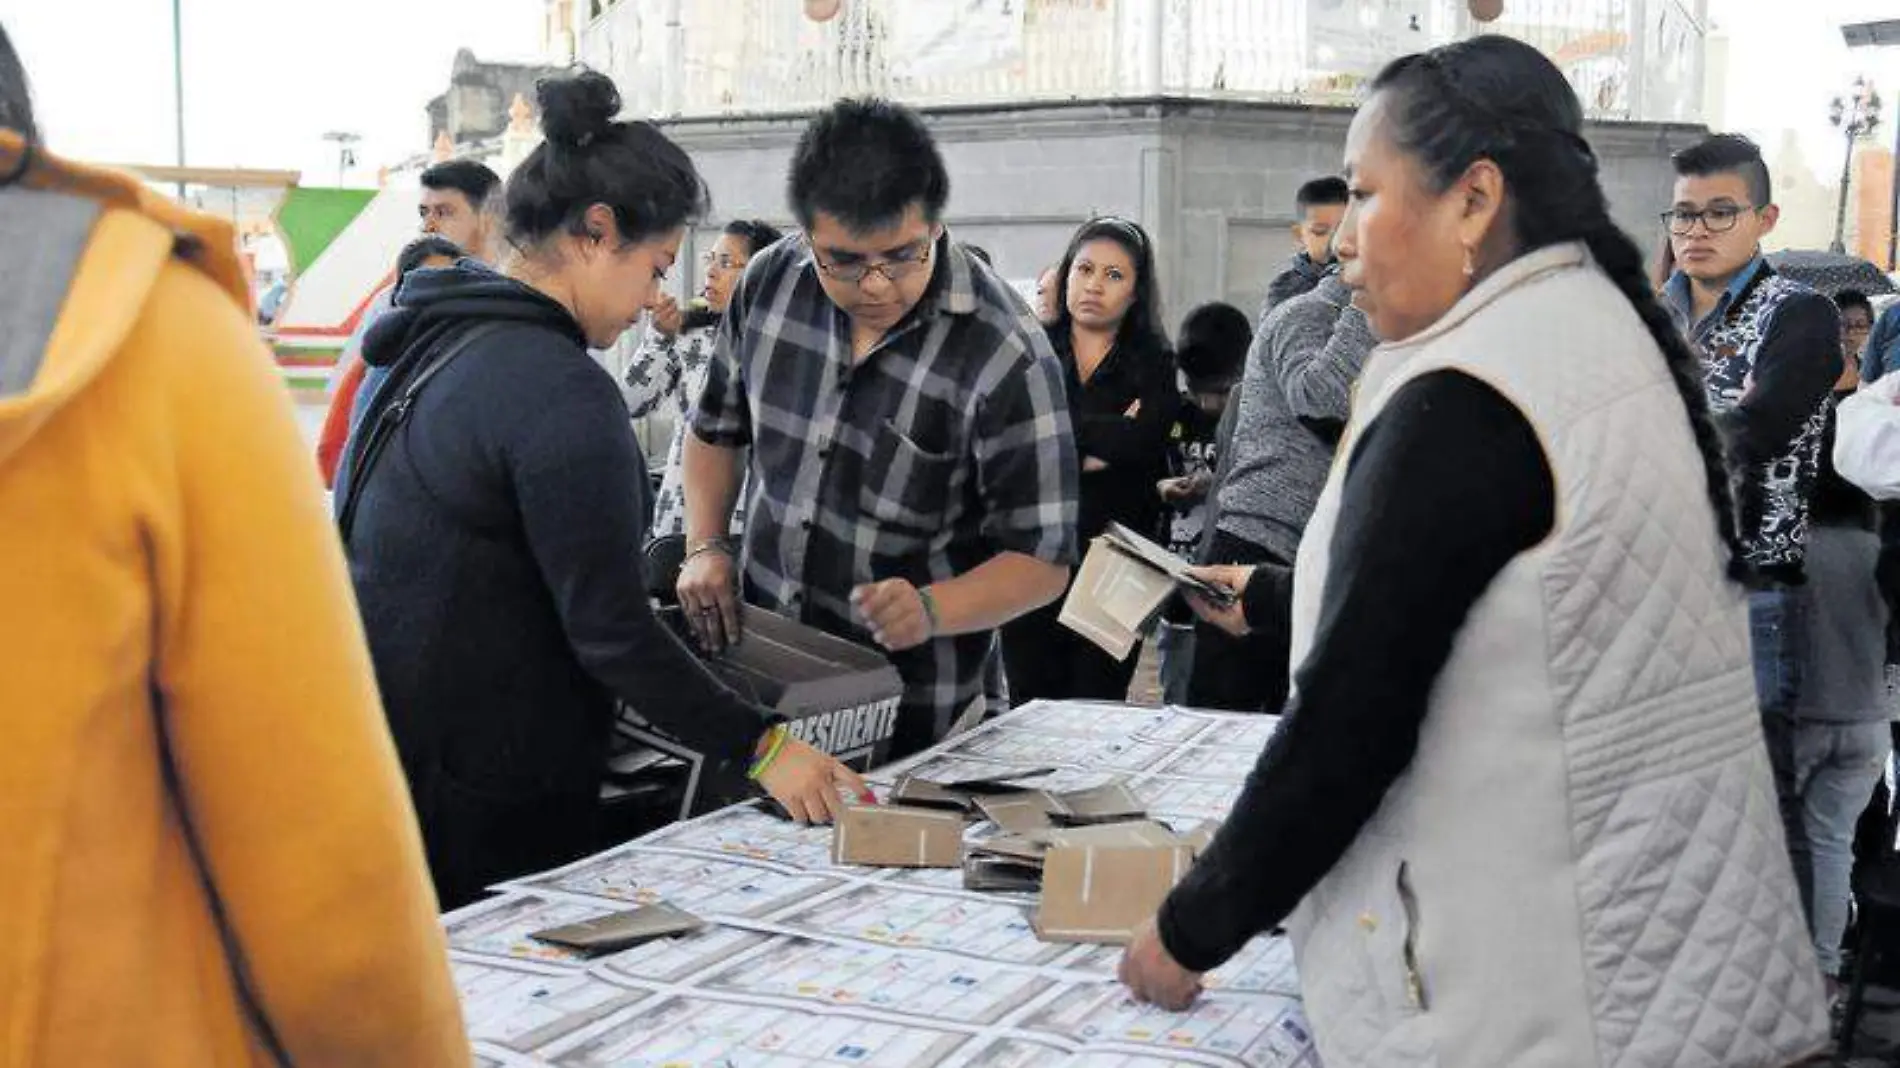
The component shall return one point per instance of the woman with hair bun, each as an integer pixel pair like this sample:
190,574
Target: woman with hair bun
498,517
1519,811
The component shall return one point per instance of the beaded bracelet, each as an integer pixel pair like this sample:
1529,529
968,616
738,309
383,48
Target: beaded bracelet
759,767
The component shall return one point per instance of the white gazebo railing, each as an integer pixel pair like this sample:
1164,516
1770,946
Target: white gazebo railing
1629,59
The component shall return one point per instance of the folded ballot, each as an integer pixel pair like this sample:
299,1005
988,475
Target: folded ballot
1124,581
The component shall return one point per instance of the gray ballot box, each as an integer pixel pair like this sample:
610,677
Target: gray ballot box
835,695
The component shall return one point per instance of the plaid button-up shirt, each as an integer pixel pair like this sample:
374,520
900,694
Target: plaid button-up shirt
949,444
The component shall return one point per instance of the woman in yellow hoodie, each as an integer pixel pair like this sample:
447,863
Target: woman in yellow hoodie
207,857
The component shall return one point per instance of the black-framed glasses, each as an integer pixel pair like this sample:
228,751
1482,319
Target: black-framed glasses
1719,219
898,266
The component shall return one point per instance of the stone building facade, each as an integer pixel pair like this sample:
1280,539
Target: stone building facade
1212,180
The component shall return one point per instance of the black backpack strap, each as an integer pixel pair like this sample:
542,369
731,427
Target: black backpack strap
387,417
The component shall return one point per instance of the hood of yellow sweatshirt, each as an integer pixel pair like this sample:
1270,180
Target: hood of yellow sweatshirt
80,249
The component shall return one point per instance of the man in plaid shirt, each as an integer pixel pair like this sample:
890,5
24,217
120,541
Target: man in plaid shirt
914,469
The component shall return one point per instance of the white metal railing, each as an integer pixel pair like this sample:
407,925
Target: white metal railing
1637,59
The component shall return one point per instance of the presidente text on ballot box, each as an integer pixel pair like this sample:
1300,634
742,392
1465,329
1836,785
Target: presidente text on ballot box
835,695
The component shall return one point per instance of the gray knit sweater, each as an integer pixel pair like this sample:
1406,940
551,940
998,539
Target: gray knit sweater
1294,396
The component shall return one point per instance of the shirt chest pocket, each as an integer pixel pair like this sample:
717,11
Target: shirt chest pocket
906,488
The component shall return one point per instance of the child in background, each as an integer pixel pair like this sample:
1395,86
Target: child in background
1321,207
1214,340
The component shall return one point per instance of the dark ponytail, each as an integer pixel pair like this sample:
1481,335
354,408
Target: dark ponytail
1499,99
588,158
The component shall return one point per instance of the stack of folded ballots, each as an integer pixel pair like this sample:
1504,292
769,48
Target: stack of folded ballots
1098,864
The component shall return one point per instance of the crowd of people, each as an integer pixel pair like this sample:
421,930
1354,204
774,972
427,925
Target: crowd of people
1539,554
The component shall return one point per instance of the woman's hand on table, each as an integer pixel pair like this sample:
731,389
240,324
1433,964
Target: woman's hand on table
808,783
1152,974
1230,617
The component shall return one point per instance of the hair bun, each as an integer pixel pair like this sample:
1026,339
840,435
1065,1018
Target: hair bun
576,108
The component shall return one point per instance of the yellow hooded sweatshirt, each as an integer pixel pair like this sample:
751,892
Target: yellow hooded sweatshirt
207,856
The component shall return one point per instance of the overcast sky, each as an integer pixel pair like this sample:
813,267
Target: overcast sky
1787,60
266,78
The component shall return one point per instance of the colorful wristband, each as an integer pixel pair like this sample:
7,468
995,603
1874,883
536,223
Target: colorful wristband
759,767
930,609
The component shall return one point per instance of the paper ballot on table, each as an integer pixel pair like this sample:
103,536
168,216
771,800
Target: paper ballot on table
1123,582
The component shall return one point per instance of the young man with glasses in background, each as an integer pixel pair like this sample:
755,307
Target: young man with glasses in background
1771,352
913,466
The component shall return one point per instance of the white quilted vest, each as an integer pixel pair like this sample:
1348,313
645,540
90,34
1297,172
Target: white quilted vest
1583,864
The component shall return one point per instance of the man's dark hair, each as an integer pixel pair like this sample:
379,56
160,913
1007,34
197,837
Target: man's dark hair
1854,298
466,176
863,162
758,234
1213,346
647,181
1728,154
16,103
1328,190
426,247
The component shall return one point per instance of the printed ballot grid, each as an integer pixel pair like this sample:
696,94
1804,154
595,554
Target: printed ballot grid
805,963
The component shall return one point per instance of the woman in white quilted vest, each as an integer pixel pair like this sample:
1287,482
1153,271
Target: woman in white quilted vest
1519,812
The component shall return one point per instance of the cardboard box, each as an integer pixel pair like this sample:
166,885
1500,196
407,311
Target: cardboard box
835,695
1022,813
1031,847
961,794
897,836
1039,810
1016,848
1102,893
1109,803
996,875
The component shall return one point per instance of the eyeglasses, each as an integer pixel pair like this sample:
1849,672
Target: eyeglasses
900,265
1719,219
722,261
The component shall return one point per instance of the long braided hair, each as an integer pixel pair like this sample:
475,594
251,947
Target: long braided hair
1499,99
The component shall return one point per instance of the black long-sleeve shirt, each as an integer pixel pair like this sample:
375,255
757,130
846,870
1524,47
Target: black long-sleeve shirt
1441,492
1136,375
1794,369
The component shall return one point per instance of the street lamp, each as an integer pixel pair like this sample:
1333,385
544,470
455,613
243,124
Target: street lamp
178,87
1855,115
1883,34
